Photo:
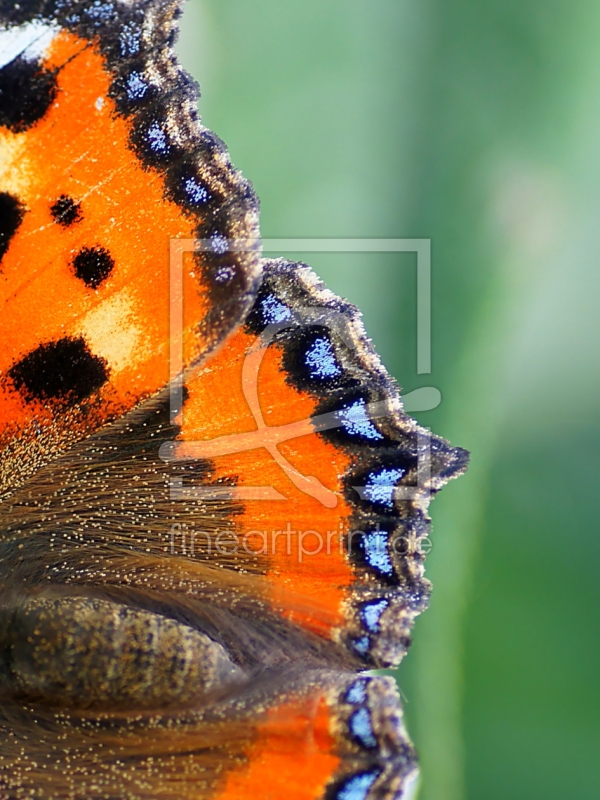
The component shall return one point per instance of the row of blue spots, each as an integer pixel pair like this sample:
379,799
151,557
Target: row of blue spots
136,86
380,486
321,361
196,192
375,547
361,727
357,788
274,311
371,614
157,139
357,693
356,422
129,39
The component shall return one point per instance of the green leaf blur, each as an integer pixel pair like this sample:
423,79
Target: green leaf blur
474,124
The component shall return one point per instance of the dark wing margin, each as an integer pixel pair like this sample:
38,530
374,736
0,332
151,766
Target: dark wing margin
396,465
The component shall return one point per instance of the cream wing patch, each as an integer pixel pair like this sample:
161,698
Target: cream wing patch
110,331
14,174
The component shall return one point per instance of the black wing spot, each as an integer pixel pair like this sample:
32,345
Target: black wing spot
64,370
66,211
26,93
93,265
12,212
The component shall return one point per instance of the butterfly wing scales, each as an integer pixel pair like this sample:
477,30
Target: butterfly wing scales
303,736
84,276
343,581
277,514
309,431
143,545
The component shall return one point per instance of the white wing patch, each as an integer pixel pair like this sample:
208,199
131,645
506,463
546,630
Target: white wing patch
111,333
30,40
15,171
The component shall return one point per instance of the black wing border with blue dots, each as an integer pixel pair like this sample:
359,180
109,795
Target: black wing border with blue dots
326,352
159,99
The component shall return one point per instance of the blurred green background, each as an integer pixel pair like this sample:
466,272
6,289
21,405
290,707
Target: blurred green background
475,124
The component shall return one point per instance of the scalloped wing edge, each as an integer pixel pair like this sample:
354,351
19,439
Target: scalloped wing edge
389,521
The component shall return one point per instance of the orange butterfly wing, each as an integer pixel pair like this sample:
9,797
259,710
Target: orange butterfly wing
298,418
316,734
261,514
95,182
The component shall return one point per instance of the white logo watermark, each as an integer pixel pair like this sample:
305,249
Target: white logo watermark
186,541
270,437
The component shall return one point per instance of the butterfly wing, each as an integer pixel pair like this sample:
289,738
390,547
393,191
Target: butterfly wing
282,506
236,542
102,162
303,736
332,479
174,521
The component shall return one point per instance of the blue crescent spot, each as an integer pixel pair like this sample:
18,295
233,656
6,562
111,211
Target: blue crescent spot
157,138
196,192
219,244
136,86
361,727
129,39
321,361
356,422
100,11
357,693
371,614
375,547
357,787
362,645
224,274
274,311
380,486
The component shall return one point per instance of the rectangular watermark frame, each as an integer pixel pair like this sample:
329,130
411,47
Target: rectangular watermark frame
178,249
